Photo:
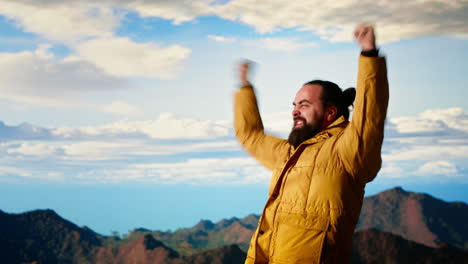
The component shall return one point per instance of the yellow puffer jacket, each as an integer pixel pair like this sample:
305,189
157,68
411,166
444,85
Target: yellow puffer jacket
316,190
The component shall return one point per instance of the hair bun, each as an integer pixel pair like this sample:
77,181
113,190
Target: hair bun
348,96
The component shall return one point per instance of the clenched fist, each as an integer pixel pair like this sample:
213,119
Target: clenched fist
244,70
365,36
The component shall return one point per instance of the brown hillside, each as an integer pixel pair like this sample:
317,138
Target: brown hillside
45,237
143,250
371,246
237,233
417,217
225,255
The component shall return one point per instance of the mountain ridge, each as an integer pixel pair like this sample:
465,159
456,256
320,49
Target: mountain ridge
418,217
46,237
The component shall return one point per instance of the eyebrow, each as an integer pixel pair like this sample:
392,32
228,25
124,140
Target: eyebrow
303,101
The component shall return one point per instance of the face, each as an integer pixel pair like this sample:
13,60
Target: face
308,114
308,107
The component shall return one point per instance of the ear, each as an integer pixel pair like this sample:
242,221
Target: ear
330,114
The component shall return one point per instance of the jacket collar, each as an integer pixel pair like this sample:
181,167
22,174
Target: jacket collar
334,128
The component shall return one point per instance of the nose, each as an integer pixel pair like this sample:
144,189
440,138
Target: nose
296,113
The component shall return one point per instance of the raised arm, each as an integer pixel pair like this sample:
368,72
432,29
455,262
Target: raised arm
361,143
248,126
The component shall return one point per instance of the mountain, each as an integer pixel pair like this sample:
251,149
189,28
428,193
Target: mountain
395,227
205,235
147,250
143,250
416,216
224,255
42,236
371,246
46,237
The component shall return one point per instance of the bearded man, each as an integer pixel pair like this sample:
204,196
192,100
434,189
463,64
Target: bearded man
319,173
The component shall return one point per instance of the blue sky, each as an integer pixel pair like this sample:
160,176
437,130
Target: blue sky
119,114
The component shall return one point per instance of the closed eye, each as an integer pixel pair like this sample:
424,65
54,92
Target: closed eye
303,103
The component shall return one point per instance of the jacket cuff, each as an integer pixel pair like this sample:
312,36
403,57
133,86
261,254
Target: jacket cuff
370,53
248,86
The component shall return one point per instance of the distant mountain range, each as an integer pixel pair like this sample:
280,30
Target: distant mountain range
395,227
43,237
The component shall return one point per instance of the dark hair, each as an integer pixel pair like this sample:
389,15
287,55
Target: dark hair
332,95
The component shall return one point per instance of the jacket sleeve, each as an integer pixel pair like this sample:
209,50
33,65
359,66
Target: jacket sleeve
249,130
361,143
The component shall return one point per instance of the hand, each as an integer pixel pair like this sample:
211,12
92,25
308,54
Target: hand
364,34
244,69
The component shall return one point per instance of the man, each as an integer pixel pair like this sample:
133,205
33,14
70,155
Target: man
320,172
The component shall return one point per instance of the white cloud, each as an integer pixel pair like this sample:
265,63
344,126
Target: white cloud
8,173
178,11
39,78
190,150
5,170
32,149
182,147
98,60
335,20
438,167
274,44
392,170
280,44
122,57
412,125
110,150
428,152
167,126
122,108
436,139
331,20
84,164
221,38
210,146
88,29
207,171
454,117
66,21
98,150
434,121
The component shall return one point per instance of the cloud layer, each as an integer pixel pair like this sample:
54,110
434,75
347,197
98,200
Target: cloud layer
101,58
124,58
62,21
97,60
174,150
331,20
170,149
39,78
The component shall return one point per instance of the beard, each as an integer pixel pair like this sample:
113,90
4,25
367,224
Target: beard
301,134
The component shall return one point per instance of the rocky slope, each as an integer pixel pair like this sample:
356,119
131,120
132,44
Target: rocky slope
417,217
395,227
